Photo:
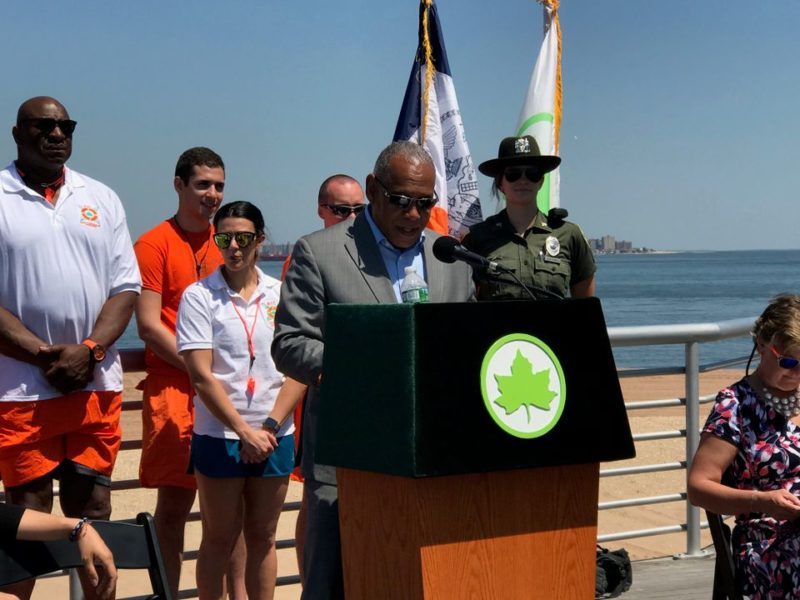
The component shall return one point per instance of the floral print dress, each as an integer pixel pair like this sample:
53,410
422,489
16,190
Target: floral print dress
768,458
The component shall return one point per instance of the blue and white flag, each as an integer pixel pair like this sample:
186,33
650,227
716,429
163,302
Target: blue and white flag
430,116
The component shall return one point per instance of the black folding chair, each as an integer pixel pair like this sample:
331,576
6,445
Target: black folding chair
134,546
724,570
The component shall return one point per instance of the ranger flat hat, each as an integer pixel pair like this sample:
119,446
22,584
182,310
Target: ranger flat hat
515,151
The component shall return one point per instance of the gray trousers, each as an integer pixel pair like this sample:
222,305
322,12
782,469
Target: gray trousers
322,557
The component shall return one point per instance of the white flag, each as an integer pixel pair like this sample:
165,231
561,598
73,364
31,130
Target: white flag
541,112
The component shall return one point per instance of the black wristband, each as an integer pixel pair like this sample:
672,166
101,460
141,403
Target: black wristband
76,531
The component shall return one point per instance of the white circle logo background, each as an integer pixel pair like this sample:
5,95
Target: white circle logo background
498,361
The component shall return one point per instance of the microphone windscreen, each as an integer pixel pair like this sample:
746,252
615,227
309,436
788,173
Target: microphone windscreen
444,248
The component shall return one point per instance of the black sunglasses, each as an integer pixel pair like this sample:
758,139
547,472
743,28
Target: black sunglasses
243,239
345,210
46,125
405,202
513,173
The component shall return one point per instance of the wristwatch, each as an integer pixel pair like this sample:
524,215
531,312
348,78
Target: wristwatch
272,425
97,352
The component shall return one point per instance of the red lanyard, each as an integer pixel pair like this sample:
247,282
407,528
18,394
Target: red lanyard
50,189
251,382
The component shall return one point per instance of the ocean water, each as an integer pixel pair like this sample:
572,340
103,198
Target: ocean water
691,287
664,289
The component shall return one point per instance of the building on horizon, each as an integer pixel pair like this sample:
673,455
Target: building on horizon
608,244
276,251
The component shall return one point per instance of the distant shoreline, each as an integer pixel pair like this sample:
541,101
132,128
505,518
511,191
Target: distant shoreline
639,253
694,251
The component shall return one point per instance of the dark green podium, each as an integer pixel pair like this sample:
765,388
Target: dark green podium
468,439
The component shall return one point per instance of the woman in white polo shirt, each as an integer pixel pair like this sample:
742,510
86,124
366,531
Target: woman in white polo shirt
243,442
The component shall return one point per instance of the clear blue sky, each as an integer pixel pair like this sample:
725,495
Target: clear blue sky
680,127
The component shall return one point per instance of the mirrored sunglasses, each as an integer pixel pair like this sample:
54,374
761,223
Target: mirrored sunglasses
243,239
512,174
405,202
785,362
345,210
46,126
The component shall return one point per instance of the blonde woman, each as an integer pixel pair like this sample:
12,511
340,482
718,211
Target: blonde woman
751,441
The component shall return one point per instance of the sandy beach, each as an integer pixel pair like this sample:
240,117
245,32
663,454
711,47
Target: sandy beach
128,503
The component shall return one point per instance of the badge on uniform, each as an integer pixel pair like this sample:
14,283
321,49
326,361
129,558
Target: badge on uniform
552,245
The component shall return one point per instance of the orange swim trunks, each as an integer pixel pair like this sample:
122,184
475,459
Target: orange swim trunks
167,419
36,437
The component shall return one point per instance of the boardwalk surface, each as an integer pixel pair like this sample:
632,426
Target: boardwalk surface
662,578
657,579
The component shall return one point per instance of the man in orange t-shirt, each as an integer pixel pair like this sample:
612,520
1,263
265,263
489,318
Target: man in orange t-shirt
173,255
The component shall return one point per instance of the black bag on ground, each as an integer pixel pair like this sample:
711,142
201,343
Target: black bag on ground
614,573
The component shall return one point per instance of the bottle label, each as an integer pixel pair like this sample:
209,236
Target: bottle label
415,295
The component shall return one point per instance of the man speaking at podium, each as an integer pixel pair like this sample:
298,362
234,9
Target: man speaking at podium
356,262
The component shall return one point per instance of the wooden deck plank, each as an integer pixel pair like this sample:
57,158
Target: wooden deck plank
662,578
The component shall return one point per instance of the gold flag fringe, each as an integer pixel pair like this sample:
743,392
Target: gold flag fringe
429,71
553,6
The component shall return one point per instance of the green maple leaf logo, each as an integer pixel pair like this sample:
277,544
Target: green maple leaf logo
524,387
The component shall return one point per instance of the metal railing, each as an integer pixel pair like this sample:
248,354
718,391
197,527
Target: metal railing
689,335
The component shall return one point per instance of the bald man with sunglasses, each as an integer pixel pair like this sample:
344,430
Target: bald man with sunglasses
68,283
356,262
340,197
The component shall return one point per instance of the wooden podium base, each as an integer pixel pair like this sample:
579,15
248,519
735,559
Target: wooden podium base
520,534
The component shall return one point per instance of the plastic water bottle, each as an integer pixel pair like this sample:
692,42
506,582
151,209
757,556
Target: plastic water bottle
413,287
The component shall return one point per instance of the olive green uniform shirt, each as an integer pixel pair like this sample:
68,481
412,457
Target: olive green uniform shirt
552,254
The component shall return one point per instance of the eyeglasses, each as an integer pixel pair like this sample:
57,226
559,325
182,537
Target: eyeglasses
46,126
405,202
513,173
785,362
345,210
243,239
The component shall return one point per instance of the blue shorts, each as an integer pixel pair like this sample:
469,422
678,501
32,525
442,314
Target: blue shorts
219,457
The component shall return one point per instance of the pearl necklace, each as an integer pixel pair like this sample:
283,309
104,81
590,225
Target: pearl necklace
789,407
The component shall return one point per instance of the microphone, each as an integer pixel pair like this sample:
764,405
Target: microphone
448,250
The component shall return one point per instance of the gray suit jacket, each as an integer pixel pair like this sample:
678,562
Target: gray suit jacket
341,264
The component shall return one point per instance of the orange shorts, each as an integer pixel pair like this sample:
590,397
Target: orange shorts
36,437
167,419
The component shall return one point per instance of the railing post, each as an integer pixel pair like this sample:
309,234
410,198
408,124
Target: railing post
75,589
692,440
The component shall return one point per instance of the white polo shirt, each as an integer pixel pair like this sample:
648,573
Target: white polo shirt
207,319
58,266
